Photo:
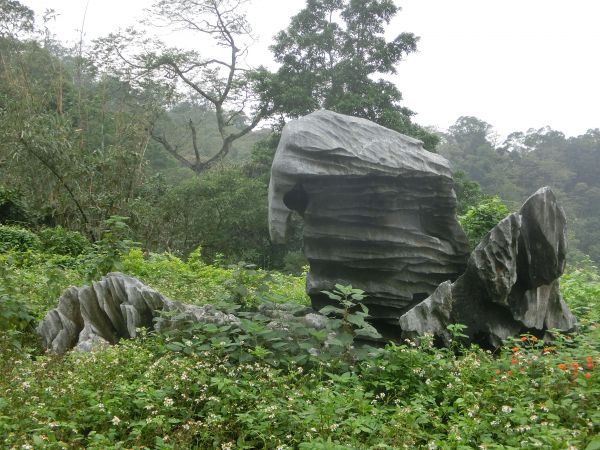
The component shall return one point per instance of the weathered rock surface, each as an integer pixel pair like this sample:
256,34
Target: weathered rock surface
117,305
378,210
510,285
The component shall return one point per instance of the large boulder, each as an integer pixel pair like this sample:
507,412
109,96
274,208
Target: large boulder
511,283
379,211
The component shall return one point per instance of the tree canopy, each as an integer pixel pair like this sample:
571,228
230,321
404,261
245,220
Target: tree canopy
334,55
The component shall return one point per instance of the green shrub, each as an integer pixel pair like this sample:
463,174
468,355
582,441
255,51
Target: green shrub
106,254
60,241
16,238
12,208
481,218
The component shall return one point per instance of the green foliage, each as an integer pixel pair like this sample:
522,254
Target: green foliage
106,253
351,312
139,393
295,262
468,193
481,218
247,385
194,281
60,241
223,85
581,290
225,212
71,141
17,238
15,316
331,55
526,161
15,18
12,207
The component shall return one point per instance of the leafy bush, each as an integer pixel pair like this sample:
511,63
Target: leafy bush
256,338
581,290
139,394
16,238
12,208
60,241
106,253
481,218
15,316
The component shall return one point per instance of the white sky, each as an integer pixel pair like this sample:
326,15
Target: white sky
516,64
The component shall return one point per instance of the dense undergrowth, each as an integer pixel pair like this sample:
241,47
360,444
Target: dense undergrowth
187,390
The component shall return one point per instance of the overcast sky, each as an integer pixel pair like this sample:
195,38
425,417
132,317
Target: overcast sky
516,64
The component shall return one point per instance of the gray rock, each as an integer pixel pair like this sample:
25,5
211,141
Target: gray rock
431,316
511,283
378,210
92,317
544,233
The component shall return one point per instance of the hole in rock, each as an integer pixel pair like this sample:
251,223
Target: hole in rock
296,199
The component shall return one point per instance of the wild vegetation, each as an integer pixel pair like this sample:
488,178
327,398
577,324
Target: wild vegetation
124,161
246,387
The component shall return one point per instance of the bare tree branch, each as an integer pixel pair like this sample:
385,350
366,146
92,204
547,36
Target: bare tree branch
161,139
217,80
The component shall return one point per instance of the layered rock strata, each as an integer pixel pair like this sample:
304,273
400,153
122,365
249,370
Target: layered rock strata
510,285
378,210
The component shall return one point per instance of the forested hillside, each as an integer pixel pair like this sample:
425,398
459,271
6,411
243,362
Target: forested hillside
518,166
177,142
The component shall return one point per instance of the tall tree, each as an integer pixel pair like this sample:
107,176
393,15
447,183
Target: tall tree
15,19
331,55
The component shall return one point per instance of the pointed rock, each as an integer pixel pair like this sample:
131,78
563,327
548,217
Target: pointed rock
511,282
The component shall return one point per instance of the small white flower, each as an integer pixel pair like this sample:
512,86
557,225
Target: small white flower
115,420
333,426
506,409
168,402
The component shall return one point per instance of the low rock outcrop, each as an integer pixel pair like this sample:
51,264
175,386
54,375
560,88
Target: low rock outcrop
510,285
117,305
379,211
